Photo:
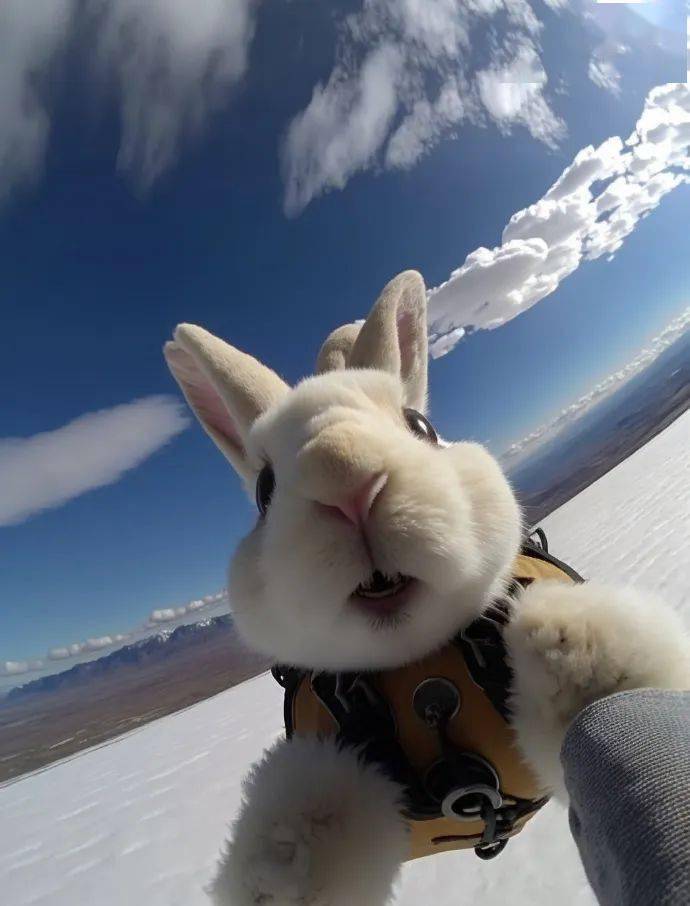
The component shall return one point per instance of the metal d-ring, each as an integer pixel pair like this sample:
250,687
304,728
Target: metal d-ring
474,789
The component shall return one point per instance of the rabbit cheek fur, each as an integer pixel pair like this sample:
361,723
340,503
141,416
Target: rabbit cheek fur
446,517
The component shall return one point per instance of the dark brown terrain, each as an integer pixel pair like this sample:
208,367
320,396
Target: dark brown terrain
538,504
40,727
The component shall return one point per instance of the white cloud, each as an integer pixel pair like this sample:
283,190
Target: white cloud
31,35
602,69
163,615
174,62
489,289
403,79
46,470
342,128
421,128
588,212
590,165
611,383
167,614
16,668
59,654
605,75
64,652
512,92
97,644
439,346
433,28
170,62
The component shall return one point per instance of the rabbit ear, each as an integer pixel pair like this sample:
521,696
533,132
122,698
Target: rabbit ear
394,337
335,352
226,388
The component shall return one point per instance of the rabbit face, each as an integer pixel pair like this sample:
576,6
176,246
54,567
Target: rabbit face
377,541
442,529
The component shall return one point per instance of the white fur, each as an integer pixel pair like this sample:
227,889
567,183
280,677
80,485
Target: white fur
571,645
317,828
332,834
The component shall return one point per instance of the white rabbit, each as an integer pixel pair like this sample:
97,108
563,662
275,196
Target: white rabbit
350,482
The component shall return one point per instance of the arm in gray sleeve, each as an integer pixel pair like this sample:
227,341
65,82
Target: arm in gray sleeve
627,771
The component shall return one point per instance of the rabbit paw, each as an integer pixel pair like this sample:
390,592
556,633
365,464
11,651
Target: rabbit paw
317,828
281,873
570,645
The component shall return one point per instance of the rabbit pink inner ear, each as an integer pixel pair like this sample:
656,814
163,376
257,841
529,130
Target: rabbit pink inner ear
212,409
206,402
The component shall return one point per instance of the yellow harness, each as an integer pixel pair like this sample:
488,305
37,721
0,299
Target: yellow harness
439,727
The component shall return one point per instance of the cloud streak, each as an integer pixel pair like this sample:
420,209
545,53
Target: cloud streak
174,63
31,36
171,64
343,126
48,469
588,212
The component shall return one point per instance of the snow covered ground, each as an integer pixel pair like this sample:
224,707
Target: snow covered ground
139,821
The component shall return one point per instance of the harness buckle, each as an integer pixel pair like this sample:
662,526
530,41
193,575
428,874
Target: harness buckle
467,803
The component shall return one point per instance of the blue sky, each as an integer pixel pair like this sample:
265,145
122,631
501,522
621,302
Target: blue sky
250,200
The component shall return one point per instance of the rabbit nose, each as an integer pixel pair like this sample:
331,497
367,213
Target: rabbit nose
356,507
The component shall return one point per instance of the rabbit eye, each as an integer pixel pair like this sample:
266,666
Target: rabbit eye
420,425
265,485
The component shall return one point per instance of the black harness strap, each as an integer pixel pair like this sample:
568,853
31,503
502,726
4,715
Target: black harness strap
541,552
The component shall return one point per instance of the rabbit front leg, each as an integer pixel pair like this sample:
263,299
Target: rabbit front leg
317,827
570,645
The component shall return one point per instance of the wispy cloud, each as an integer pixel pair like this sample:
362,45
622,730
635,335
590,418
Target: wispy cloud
343,126
171,64
604,388
174,63
193,608
16,668
605,74
31,35
404,78
88,646
48,469
602,68
511,90
588,212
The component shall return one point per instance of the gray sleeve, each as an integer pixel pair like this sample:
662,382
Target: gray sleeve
627,771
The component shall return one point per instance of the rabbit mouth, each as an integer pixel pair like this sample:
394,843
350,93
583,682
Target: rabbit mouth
382,593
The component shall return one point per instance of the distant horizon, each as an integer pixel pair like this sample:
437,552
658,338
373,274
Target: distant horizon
520,451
